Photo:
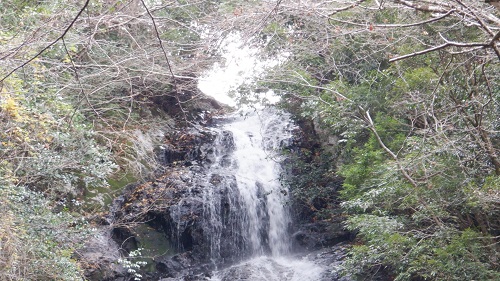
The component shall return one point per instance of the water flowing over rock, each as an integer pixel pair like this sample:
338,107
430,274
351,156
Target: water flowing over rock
219,203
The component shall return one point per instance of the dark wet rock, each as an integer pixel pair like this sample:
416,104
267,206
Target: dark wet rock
174,266
187,147
173,204
189,105
313,236
183,265
318,219
332,258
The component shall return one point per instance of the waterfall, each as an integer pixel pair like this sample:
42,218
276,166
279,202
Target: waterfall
246,217
258,138
228,217
245,204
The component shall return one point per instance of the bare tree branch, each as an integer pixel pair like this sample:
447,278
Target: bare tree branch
398,25
157,33
442,46
50,45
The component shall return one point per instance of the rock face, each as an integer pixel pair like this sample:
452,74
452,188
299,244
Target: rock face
317,235
317,216
187,147
174,205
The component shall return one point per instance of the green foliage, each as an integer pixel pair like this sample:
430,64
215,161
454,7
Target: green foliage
275,37
58,158
312,181
41,237
364,166
421,192
447,255
436,236
420,79
50,155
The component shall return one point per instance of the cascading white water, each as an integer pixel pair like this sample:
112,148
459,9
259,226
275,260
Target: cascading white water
245,211
257,138
245,203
